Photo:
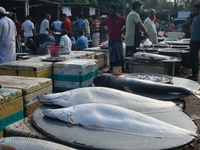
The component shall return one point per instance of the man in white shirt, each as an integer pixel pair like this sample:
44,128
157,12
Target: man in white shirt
65,43
27,29
44,26
150,26
8,34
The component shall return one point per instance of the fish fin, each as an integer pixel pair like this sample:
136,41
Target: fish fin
196,93
152,58
128,89
70,119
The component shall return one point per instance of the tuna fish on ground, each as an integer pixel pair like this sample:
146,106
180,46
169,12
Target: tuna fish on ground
108,96
112,118
137,86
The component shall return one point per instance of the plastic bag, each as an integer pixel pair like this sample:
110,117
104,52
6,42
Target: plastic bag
147,42
104,44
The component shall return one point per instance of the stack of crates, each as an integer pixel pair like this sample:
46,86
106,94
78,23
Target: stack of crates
104,51
11,107
100,57
74,73
27,69
31,88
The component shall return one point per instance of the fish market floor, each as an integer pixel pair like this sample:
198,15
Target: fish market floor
192,109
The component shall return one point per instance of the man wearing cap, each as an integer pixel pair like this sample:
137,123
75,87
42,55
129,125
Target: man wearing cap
8,35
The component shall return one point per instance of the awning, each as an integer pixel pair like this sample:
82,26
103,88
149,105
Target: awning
66,10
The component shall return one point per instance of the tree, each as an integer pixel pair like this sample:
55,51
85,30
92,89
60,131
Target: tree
158,5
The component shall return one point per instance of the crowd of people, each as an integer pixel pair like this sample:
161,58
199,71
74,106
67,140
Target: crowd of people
75,34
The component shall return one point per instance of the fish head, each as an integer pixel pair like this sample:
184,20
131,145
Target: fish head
53,99
103,79
65,114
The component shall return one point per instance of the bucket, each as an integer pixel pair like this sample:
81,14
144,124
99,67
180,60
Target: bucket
54,51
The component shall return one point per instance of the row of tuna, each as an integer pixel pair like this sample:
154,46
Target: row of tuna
102,108
107,107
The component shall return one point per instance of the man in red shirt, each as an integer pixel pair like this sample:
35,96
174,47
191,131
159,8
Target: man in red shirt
66,24
115,24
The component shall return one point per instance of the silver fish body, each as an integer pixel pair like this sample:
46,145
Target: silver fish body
116,119
24,143
150,56
108,96
138,86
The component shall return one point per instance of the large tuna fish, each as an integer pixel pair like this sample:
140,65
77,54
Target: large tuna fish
108,96
112,118
139,86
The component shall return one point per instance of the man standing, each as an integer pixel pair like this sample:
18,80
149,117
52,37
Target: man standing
95,31
87,27
195,43
66,24
171,26
150,26
18,26
133,23
115,24
27,29
44,26
56,26
8,35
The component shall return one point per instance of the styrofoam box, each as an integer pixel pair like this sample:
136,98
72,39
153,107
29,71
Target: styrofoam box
27,68
74,73
10,112
31,88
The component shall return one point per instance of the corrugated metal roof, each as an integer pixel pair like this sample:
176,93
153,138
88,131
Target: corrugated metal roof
14,4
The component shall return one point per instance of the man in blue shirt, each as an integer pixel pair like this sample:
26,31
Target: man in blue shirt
195,43
81,43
